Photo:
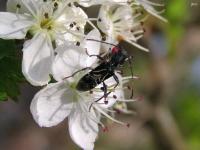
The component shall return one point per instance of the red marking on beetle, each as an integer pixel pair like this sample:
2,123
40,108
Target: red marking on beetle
115,50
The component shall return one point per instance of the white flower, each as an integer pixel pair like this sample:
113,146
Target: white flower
59,100
46,22
149,7
118,22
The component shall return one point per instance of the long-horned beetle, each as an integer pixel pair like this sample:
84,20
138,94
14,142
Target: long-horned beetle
105,70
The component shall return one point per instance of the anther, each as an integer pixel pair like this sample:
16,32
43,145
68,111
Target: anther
71,25
76,4
18,6
78,43
70,5
105,129
140,98
46,15
117,111
78,28
55,4
128,125
114,96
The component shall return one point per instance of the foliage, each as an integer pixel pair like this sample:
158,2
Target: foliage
10,70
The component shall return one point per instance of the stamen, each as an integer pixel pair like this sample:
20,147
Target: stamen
137,45
127,100
93,19
29,8
109,117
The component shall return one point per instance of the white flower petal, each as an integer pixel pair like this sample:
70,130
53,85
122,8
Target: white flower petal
14,26
105,23
23,6
37,60
69,59
83,130
13,6
72,58
92,47
52,104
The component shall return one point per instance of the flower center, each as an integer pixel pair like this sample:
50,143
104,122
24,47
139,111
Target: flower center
74,91
73,85
46,23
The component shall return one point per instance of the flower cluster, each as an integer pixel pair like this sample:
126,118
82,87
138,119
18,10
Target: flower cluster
57,46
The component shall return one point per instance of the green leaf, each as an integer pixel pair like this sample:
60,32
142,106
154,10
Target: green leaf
3,96
10,70
7,48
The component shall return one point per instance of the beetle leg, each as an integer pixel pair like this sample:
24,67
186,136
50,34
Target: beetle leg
99,99
98,56
105,89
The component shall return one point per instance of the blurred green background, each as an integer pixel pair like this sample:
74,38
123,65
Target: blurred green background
168,117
